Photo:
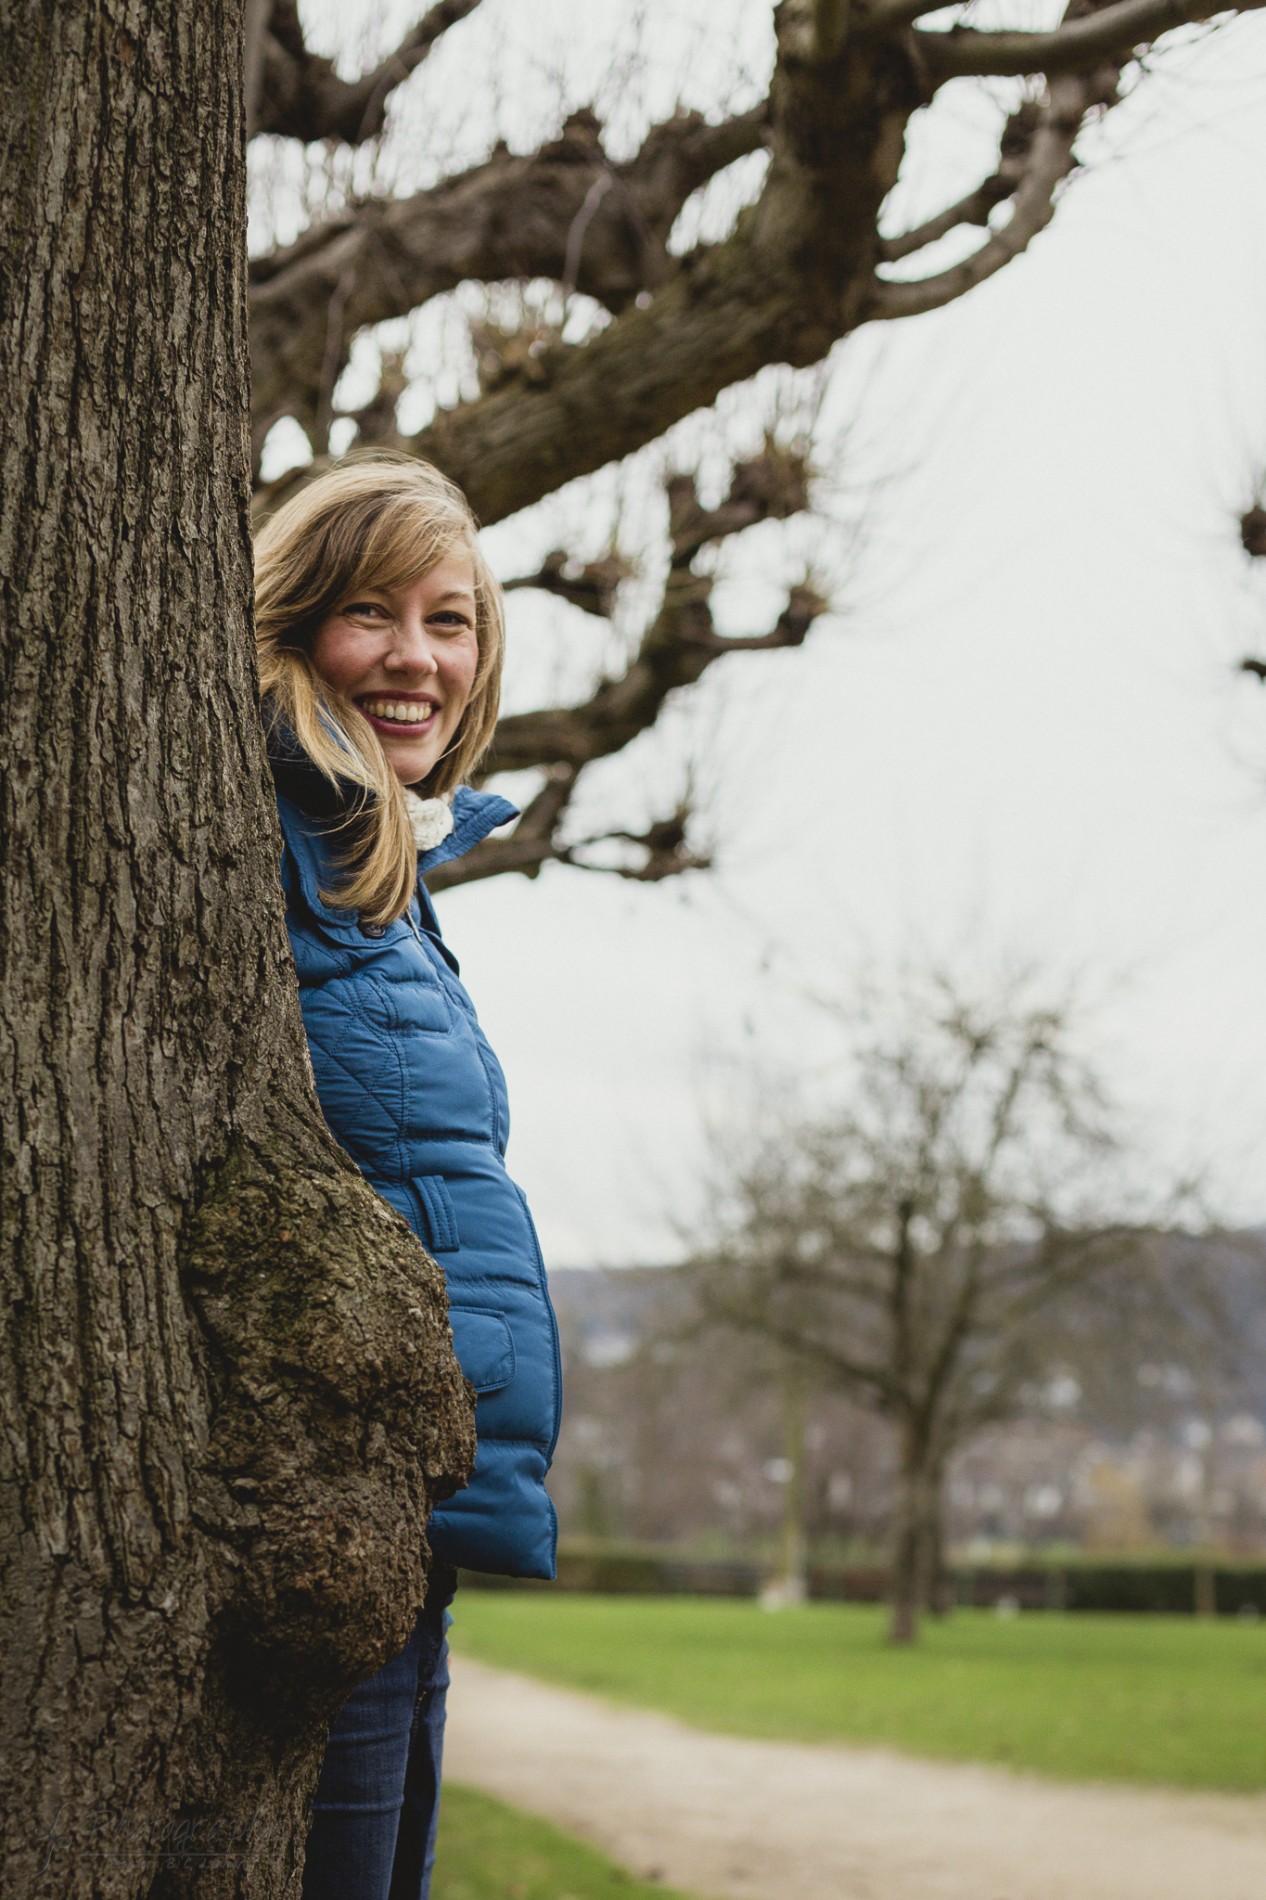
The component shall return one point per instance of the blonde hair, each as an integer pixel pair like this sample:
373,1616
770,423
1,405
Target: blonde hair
380,520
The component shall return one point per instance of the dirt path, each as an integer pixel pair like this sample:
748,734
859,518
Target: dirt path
752,1820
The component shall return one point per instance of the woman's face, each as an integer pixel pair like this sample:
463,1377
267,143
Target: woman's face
406,660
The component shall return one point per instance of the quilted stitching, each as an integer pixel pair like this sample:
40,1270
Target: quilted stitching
424,1113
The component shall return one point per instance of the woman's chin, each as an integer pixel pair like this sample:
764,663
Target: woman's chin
411,761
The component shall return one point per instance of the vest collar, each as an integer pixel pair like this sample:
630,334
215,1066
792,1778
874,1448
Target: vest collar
475,814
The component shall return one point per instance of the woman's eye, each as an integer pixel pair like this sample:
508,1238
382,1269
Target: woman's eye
364,609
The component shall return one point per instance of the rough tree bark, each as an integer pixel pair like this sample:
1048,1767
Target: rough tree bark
228,1394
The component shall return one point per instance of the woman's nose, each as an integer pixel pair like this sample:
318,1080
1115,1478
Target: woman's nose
411,647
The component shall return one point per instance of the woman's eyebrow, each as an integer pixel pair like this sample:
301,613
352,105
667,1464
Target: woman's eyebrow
456,593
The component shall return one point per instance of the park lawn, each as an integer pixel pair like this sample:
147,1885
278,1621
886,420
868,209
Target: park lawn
487,1851
1116,1698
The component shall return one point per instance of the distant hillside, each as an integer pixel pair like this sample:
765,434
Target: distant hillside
674,1437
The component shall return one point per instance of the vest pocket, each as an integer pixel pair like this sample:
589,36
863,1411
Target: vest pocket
435,1212
485,1348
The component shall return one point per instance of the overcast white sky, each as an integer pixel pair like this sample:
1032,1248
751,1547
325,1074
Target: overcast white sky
1022,735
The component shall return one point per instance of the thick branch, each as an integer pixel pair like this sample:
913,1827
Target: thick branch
789,281
891,16
302,97
564,212
707,330
254,33
1111,33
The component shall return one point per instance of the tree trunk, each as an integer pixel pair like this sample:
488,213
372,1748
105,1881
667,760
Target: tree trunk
227,1393
914,1536
794,1581
940,1583
1205,1600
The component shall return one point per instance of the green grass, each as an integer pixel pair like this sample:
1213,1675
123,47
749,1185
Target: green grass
490,1852
1119,1698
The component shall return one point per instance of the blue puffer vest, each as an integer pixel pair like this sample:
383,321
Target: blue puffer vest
411,1089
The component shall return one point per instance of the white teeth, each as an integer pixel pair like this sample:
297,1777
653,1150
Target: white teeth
404,713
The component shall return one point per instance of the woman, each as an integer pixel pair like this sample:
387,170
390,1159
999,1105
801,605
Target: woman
380,645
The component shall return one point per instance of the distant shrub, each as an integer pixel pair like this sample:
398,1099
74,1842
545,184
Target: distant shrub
1165,1585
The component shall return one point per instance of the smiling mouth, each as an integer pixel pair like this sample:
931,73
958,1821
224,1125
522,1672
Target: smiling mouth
399,715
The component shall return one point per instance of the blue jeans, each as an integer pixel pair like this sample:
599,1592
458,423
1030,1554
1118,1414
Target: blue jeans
377,1802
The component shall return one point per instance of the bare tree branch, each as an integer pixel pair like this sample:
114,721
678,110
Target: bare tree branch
536,841
771,486
795,275
666,844
679,644
973,209
593,586
532,843
1112,32
510,217
1014,148
301,96
1050,160
874,1376
791,278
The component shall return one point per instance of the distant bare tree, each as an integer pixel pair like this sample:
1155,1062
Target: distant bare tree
919,1244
